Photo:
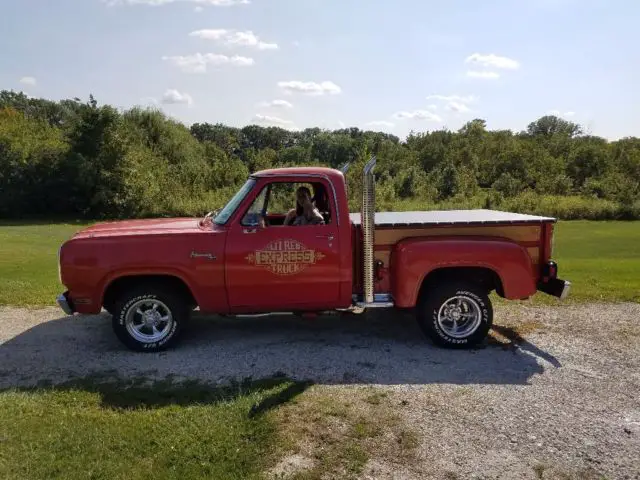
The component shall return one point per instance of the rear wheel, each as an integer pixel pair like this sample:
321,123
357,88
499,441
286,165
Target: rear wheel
455,314
149,318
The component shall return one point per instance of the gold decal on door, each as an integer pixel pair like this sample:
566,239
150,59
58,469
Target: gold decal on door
284,257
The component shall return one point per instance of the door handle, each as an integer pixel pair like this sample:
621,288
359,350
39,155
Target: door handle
328,237
203,255
249,230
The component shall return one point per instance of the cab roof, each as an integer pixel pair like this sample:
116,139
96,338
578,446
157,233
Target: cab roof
282,172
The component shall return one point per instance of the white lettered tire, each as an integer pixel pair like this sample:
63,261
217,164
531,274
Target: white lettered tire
455,314
149,318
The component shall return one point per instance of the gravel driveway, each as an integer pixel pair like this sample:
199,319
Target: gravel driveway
564,402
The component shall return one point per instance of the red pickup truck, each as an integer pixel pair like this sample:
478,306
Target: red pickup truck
151,274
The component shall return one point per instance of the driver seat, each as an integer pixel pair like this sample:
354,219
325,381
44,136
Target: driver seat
321,203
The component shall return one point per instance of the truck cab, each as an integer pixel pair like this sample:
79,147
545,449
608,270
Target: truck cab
271,265
249,258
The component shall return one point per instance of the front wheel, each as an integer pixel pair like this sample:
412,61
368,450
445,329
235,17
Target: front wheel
456,314
149,319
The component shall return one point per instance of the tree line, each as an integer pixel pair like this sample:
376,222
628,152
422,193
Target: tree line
75,158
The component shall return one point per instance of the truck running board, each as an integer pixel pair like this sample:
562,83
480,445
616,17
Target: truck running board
380,300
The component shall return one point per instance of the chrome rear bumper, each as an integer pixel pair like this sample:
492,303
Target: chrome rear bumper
65,304
556,287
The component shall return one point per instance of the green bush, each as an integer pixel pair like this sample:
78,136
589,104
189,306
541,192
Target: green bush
71,158
565,208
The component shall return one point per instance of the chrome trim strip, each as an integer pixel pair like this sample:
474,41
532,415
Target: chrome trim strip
375,305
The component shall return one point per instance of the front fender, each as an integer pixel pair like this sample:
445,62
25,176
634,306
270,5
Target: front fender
414,258
112,276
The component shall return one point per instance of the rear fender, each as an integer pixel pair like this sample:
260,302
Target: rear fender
413,259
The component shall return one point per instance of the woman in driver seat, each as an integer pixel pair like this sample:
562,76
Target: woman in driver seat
305,212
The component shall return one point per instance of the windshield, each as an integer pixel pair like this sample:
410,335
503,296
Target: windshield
231,206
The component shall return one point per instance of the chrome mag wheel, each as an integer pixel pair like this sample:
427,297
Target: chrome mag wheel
459,316
149,320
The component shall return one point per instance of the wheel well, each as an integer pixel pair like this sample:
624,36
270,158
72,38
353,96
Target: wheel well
170,282
483,276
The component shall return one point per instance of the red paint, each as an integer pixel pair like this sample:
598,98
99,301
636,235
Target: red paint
277,268
414,259
145,247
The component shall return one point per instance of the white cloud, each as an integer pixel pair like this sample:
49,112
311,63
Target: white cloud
432,107
493,61
381,123
276,104
269,119
173,97
558,113
198,62
157,3
483,74
248,39
418,115
234,38
28,81
457,107
210,33
453,98
274,121
198,9
341,124
310,88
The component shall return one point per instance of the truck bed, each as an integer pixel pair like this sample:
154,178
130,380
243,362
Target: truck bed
450,217
392,227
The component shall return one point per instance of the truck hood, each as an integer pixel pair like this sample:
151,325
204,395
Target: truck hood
152,226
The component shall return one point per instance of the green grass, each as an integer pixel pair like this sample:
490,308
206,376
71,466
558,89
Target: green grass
29,261
601,258
112,430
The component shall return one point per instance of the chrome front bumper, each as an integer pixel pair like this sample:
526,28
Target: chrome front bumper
64,304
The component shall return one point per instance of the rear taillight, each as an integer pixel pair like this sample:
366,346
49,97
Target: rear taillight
550,270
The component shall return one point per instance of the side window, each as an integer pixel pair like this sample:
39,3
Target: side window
280,204
254,214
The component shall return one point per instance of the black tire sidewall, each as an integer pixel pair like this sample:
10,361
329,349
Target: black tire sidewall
178,310
434,299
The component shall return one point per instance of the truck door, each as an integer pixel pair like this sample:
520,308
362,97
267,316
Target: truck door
271,266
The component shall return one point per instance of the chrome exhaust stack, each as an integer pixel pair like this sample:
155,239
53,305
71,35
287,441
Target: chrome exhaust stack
367,223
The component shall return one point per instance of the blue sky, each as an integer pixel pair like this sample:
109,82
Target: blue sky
403,65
